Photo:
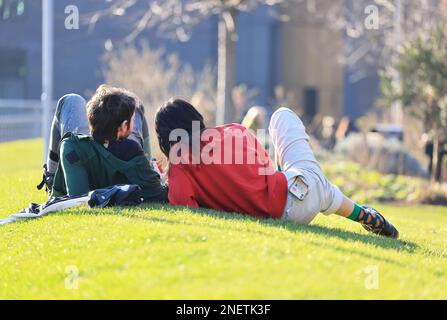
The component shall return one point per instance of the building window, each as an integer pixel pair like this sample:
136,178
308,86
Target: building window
10,9
12,73
310,103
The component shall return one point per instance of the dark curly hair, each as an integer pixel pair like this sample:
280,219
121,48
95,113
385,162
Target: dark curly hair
175,114
107,110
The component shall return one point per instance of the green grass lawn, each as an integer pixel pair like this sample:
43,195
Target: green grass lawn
158,252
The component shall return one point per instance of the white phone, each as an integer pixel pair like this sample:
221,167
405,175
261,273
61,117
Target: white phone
299,188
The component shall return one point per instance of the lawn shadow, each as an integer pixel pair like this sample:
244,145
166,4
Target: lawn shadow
135,213
369,239
315,229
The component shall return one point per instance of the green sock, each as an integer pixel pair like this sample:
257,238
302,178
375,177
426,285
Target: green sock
355,213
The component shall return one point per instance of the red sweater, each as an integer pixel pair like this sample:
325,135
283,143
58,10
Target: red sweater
232,185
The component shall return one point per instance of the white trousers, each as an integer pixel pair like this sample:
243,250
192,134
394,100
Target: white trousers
294,154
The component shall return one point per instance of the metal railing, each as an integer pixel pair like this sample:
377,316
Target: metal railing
20,119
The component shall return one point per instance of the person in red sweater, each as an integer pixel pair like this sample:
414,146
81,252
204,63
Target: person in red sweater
226,168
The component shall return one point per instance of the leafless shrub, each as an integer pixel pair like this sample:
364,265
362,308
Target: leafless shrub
155,77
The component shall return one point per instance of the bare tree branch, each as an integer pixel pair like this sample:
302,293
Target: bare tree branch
177,18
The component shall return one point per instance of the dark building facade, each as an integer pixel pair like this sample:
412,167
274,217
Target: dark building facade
261,57
77,53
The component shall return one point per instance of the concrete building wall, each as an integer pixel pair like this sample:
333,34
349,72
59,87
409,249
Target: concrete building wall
78,53
443,7
309,60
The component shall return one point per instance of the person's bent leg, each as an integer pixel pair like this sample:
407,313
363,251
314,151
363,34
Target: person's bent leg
140,132
290,140
73,115
70,116
295,157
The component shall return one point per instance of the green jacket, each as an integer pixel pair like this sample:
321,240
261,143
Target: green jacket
86,165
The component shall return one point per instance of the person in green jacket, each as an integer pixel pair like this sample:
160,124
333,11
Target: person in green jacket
100,143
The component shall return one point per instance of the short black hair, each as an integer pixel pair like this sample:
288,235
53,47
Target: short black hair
107,109
175,114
